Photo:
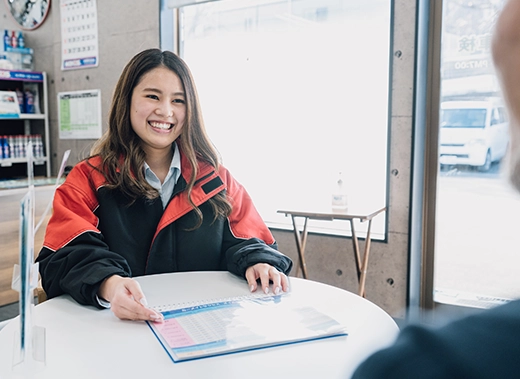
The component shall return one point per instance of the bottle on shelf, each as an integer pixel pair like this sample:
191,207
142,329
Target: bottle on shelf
21,40
14,39
339,196
23,145
19,147
10,143
29,101
39,146
16,147
21,101
7,40
4,143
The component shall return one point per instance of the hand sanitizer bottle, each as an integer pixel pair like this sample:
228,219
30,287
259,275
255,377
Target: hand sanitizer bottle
339,196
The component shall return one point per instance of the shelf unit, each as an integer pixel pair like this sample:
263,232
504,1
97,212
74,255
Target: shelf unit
26,124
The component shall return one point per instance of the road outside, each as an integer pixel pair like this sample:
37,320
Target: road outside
477,235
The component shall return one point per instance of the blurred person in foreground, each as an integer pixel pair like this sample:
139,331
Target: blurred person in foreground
485,345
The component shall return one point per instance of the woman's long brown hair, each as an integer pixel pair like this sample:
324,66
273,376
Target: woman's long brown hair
120,147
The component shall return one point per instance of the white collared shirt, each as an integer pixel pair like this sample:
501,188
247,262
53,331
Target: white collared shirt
166,188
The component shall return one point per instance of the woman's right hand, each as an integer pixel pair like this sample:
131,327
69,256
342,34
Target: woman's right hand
127,300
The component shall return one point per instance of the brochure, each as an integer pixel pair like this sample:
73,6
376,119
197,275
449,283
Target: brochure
216,327
9,107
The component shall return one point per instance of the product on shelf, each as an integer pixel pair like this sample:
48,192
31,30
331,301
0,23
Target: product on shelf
21,100
21,40
4,147
19,128
29,101
14,39
27,97
9,104
7,41
14,146
13,53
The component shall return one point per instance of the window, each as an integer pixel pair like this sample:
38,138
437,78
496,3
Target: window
463,118
476,254
293,93
502,114
495,118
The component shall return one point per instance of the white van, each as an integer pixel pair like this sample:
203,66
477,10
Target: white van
473,133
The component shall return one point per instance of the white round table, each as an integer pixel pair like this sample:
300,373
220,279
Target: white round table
84,342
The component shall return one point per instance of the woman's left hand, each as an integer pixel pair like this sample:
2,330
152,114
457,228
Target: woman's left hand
266,273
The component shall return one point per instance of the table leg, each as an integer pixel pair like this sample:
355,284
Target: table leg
355,245
361,267
364,267
301,240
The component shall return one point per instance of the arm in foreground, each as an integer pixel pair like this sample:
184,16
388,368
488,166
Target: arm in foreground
484,345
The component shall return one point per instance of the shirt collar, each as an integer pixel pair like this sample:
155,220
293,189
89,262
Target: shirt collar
175,166
176,162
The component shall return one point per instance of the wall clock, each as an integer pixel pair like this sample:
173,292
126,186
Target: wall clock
29,14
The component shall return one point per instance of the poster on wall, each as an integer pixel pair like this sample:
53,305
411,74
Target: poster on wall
79,114
79,34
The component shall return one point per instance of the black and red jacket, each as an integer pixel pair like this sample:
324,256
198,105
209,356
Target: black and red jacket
93,233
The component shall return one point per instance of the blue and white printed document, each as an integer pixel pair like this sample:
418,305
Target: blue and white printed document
205,329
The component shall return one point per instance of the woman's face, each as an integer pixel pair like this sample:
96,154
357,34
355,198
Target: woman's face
158,110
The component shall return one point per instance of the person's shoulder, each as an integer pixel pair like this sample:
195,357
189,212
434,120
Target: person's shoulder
87,165
87,169
206,168
226,175
94,160
223,170
509,312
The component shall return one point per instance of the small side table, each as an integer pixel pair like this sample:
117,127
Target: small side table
301,239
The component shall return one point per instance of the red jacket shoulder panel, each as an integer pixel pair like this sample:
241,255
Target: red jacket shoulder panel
73,206
245,221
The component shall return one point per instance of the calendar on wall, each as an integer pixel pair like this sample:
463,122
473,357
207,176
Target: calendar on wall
79,34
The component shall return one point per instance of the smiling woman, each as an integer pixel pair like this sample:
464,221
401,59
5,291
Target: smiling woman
29,14
153,198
